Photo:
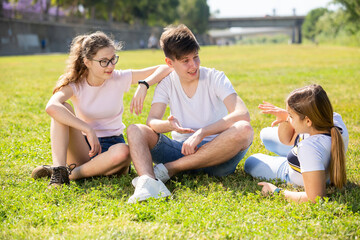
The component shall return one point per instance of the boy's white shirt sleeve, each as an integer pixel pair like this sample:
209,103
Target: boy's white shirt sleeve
161,93
222,85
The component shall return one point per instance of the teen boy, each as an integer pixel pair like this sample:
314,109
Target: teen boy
209,122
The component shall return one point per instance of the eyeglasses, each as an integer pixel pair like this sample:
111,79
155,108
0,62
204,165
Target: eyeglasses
104,62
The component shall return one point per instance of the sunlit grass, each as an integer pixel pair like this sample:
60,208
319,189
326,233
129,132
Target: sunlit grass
201,207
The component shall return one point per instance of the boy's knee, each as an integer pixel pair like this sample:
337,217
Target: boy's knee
243,132
134,129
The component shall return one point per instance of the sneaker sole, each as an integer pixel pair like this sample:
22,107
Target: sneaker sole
143,198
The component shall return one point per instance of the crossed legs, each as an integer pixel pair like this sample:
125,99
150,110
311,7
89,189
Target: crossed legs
226,145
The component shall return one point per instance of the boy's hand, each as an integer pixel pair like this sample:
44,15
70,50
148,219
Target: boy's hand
138,99
280,114
175,126
190,145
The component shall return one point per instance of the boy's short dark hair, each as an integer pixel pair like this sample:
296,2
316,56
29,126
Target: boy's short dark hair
177,41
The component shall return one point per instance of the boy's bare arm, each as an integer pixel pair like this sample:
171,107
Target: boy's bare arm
155,121
237,112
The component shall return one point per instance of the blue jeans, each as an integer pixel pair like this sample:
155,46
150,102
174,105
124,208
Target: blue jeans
168,150
107,142
269,167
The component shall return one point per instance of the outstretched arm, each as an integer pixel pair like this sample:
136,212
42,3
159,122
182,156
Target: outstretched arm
151,75
286,132
155,121
314,183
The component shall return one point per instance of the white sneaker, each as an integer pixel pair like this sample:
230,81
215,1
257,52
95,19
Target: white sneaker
160,171
148,187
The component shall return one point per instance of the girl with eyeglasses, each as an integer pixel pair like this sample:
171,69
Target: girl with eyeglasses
317,135
88,140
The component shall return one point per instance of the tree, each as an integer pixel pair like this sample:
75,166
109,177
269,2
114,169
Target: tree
309,26
330,24
352,9
194,14
152,13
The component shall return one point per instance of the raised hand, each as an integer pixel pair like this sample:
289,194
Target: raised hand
175,126
280,114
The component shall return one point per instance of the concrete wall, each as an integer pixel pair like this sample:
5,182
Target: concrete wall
18,37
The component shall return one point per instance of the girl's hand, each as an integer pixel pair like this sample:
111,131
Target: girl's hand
280,114
138,99
267,188
95,147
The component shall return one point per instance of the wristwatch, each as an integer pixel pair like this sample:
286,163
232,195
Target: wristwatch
144,82
277,190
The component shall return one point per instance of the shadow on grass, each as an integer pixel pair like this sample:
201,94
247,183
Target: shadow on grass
349,195
119,186
244,183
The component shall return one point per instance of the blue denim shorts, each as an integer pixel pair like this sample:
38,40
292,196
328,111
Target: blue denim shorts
107,142
168,150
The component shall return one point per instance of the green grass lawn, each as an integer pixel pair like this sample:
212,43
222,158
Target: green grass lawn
200,207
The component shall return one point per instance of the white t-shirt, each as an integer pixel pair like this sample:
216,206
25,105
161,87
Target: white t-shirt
313,153
204,108
102,106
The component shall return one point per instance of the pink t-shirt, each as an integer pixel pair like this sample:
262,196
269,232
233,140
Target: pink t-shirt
102,106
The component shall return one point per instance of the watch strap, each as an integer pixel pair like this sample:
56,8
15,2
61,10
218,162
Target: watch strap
144,82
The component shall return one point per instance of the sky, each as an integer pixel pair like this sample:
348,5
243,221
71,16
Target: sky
260,8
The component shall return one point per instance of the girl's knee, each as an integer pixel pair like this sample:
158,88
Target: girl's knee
251,163
119,154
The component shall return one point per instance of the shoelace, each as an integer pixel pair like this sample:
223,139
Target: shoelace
59,175
56,176
71,167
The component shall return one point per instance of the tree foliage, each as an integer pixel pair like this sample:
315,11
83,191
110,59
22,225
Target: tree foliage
309,26
352,14
352,7
194,14
341,26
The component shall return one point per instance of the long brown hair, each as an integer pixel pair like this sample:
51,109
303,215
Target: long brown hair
83,46
313,102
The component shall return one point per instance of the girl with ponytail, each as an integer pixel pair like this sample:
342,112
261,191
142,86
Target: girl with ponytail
318,154
88,140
